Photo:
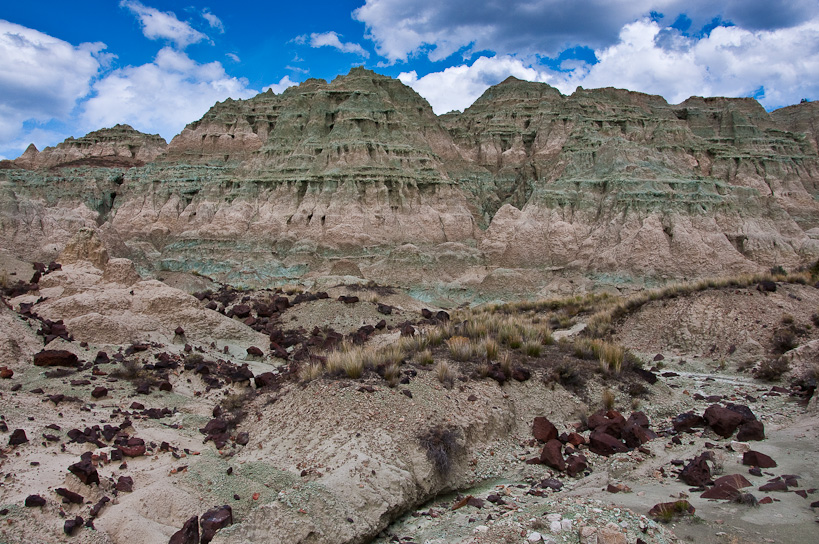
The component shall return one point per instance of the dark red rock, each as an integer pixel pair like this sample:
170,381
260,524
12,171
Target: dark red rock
722,492
125,484
85,471
56,357
188,534
165,386
778,485
133,447
18,436
243,438
802,493
99,392
474,502
552,455
697,473
241,311
765,500
752,430
575,439
255,352
264,379
384,309
543,429
602,443
576,464
736,480
71,525
35,500
757,459
215,426
521,374
6,373
213,520
722,420
69,496
97,508
180,331
686,422
137,406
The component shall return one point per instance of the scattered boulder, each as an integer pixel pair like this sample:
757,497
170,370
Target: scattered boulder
697,473
18,436
757,459
125,484
602,443
188,534
99,392
69,496
723,421
213,520
752,430
56,357
34,501
85,471
552,455
685,423
543,429
133,447
71,525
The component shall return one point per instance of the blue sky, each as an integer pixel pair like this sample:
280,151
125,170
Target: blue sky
69,68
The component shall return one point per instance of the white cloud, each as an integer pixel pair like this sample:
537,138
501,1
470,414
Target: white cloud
331,39
283,84
162,96
730,61
457,87
233,56
214,21
41,77
402,29
163,25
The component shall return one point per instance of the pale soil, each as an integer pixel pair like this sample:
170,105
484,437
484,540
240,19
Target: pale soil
325,452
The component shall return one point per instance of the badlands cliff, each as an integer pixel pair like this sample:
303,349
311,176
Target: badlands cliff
524,192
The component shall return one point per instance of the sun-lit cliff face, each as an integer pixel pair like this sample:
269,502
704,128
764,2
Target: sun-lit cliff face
524,187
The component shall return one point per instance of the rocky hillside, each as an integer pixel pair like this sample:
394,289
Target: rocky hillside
527,191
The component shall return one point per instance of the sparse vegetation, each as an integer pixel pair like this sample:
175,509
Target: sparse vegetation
444,374
784,340
772,369
460,348
607,399
532,348
311,371
441,446
424,357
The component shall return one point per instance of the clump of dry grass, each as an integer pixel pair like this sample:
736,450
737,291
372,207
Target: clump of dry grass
310,372
445,374
491,348
391,374
607,399
532,348
424,357
460,348
506,363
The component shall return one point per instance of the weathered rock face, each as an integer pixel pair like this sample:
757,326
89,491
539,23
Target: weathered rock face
524,185
120,146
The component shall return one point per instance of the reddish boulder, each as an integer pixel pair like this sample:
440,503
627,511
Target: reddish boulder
18,436
776,485
686,422
35,500
576,464
85,471
752,430
723,421
99,392
125,484
133,447
6,373
69,496
602,443
213,520
188,534
697,473
543,429
56,357
757,459
552,455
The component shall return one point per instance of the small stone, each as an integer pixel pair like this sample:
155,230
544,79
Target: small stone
757,459
35,500
534,537
213,520
18,436
85,471
99,392
555,527
71,525
125,484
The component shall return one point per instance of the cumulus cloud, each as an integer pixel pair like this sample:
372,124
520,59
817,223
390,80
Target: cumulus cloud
457,87
161,96
41,77
283,84
403,28
164,25
331,39
214,21
730,61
